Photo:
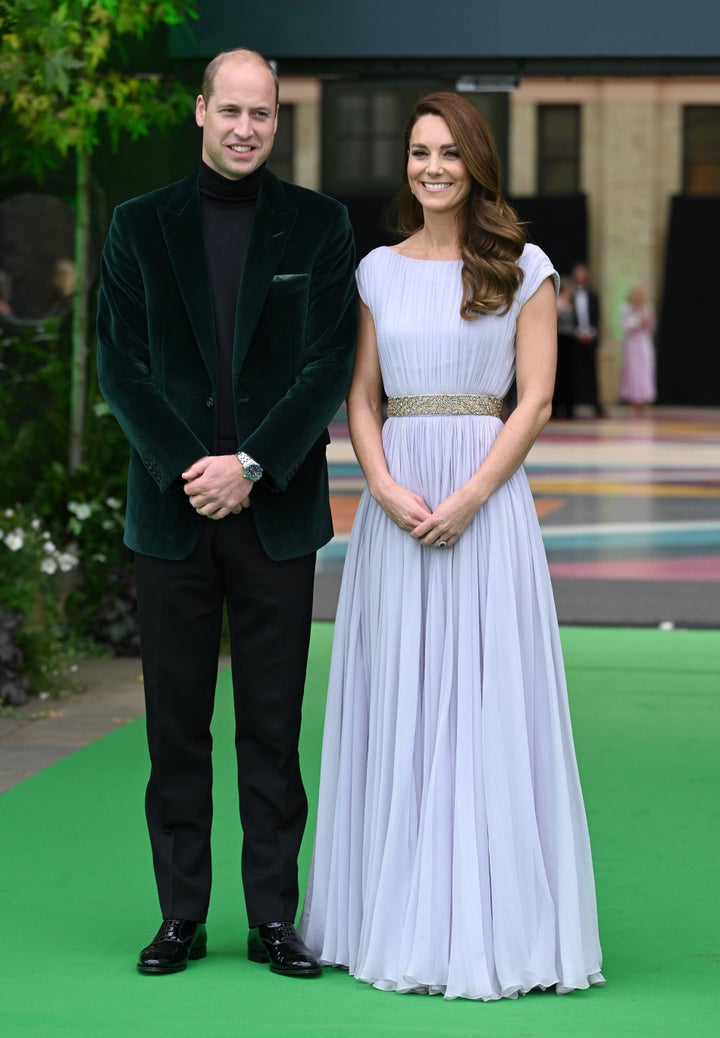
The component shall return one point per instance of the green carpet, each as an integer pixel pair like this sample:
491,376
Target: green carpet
77,897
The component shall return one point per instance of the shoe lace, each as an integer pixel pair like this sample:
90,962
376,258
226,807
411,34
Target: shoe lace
170,930
282,932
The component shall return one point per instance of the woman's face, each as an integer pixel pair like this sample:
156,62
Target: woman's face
437,175
638,296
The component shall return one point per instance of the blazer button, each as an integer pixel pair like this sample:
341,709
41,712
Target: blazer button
210,402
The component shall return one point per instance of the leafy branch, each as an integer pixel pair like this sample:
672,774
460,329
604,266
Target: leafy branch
62,88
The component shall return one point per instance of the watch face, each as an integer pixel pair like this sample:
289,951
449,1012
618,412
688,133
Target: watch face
251,469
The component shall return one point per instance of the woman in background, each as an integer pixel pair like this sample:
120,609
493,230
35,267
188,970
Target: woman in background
637,381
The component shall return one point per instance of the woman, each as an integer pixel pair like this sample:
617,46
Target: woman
451,852
637,381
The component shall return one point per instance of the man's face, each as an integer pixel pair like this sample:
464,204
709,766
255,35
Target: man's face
239,119
581,276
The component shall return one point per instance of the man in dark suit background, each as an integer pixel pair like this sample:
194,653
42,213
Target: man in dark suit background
587,331
226,334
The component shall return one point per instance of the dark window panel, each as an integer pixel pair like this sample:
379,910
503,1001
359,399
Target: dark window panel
558,152
702,149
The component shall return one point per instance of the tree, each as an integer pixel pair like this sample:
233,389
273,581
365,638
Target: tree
61,93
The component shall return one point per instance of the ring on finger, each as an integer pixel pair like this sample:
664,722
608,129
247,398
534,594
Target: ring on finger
442,544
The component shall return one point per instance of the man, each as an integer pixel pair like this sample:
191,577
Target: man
226,332
587,324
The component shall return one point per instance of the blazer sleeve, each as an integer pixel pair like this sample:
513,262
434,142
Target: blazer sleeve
298,421
155,429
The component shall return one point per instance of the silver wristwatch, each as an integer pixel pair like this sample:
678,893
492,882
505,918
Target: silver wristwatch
251,469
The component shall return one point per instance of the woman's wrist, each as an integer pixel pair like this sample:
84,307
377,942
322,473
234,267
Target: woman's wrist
380,486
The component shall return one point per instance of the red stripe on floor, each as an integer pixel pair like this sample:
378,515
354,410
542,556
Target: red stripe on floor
695,567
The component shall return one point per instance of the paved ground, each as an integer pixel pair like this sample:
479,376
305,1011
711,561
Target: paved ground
43,731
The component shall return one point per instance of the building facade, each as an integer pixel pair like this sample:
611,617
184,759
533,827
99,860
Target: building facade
607,120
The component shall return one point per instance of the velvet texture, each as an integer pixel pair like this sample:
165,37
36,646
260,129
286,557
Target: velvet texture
295,334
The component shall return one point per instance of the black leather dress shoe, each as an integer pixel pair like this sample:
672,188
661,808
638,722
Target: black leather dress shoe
279,944
176,941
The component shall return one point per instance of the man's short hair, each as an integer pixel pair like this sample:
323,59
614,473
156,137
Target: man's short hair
208,81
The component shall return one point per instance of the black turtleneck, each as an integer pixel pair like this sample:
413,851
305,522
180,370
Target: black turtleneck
226,212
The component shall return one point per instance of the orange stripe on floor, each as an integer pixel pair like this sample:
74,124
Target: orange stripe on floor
547,505
600,488
343,510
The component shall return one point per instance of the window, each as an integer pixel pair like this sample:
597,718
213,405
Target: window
281,156
702,150
558,152
363,128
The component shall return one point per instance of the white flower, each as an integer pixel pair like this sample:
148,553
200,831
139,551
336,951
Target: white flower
48,565
80,510
67,561
36,524
15,540
99,558
9,513
113,502
49,547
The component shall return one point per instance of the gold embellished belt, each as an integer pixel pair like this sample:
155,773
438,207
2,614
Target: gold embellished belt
444,404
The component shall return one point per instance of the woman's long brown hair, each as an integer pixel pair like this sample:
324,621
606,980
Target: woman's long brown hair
491,236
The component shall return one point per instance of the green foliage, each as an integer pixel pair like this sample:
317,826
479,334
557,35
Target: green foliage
37,575
61,85
34,426
63,566
34,363
42,501
59,80
66,85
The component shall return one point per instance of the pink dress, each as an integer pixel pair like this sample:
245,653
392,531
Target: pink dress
637,382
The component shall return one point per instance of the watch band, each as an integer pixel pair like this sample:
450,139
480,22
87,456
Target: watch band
252,469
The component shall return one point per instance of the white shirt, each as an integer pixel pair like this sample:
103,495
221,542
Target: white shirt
582,308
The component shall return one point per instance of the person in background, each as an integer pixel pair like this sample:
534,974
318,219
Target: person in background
637,380
62,287
563,396
586,304
5,295
226,334
451,854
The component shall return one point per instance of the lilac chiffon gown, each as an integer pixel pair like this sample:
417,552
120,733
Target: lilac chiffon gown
451,853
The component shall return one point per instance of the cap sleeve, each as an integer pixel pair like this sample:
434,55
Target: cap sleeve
536,267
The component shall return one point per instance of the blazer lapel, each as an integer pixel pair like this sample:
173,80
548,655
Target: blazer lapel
272,224
182,230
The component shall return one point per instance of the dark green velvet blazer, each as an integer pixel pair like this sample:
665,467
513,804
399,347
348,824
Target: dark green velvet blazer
295,334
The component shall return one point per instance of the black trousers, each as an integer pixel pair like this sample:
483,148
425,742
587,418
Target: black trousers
564,392
269,610
585,381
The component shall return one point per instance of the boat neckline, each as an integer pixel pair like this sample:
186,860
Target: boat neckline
418,259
